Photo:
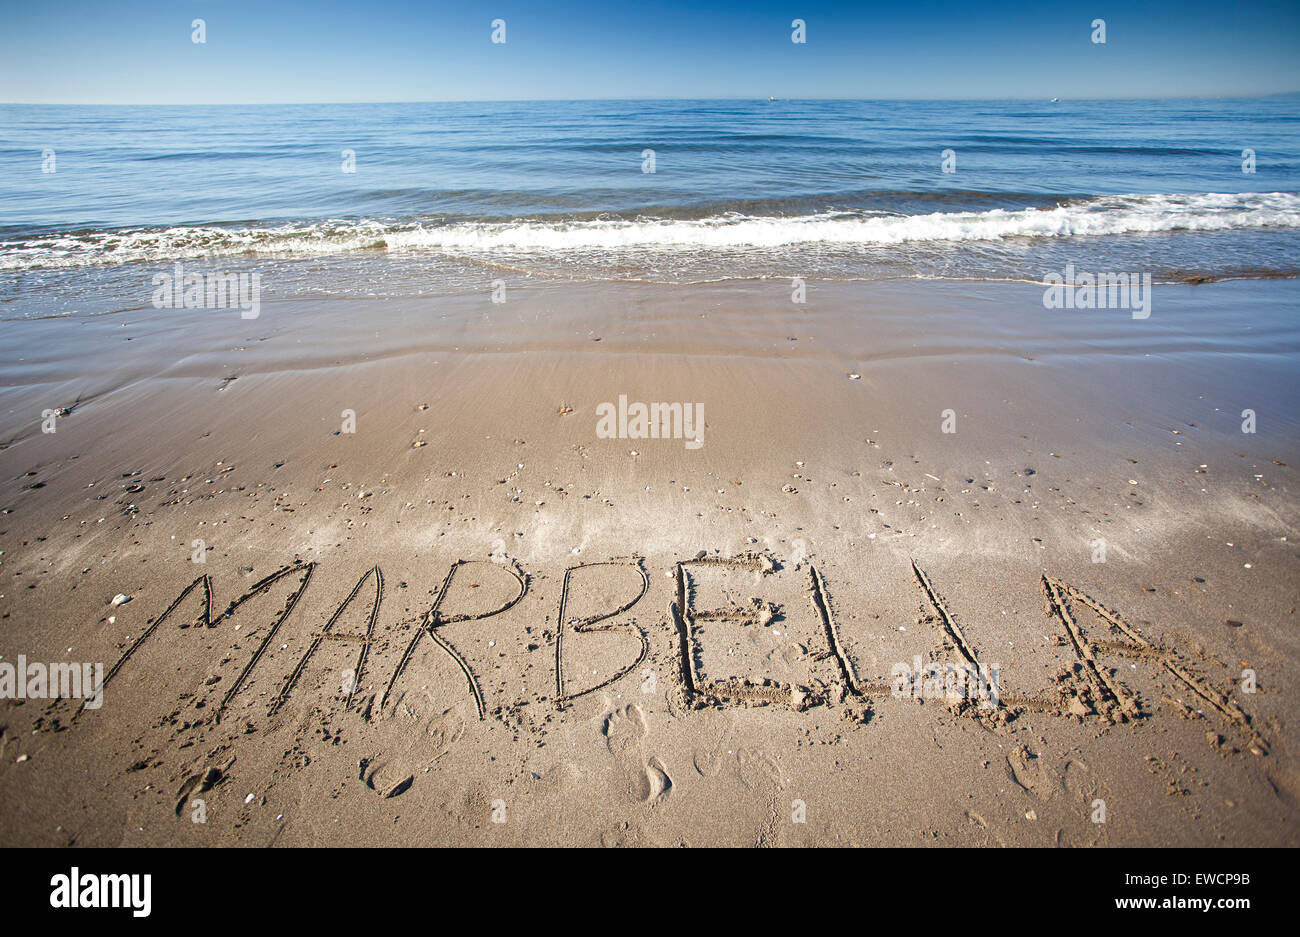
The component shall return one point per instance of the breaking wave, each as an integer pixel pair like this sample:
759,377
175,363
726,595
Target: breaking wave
1093,217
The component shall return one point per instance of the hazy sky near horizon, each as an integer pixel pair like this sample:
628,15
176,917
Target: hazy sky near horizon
87,52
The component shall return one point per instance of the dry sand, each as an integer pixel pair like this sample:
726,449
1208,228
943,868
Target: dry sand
363,691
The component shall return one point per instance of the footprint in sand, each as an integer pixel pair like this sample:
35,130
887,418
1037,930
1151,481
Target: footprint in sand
414,741
1033,774
624,731
202,781
1084,789
385,778
708,762
655,784
758,771
755,770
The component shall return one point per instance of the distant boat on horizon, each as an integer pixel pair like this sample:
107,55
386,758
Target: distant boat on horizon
1054,100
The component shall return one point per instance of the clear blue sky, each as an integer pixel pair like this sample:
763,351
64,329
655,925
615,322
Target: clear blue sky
104,52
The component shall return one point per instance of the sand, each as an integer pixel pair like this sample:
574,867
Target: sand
436,606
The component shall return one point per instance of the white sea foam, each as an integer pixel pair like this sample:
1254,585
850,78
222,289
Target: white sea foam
1097,217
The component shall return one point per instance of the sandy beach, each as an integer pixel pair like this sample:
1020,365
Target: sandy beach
382,579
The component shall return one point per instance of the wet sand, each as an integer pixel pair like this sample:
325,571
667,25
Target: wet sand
765,584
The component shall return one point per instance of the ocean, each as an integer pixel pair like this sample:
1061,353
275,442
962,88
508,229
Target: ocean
411,199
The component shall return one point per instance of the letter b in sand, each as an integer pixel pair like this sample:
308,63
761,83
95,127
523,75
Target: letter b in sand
949,424
799,34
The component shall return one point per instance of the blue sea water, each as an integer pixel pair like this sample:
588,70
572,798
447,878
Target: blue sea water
837,189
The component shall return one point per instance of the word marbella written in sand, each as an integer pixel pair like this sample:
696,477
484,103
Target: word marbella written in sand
1088,689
